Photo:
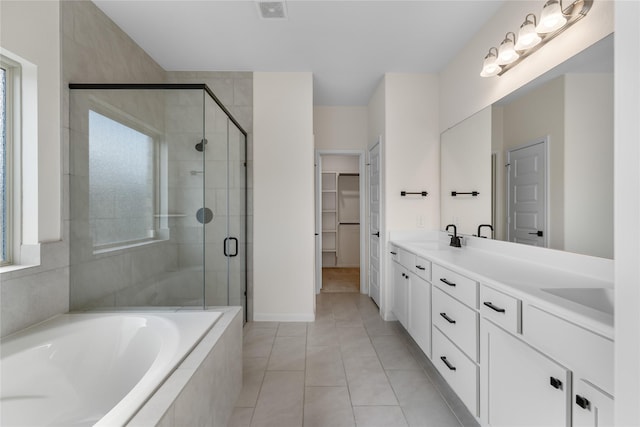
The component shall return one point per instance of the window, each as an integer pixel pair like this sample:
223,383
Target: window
122,182
6,136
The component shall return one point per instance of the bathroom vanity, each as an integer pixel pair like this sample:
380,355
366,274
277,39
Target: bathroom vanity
522,335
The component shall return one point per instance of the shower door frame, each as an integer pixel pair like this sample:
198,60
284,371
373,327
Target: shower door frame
205,88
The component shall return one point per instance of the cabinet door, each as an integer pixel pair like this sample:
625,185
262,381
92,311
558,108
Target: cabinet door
400,285
522,386
592,407
420,313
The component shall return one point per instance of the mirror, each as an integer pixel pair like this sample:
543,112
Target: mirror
538,164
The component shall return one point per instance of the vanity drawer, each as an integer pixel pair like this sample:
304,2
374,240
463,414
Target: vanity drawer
501,308
407,259
457,321
457,369
460,287
423,268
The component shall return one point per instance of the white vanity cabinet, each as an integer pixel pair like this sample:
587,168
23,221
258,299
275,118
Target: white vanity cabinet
511,355
521,386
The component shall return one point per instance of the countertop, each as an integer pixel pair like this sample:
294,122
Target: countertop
523,279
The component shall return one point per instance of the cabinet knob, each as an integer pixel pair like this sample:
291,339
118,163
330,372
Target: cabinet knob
555,383
583,402
419,267
394,253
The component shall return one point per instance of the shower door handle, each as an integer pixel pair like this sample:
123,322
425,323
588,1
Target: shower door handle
224,247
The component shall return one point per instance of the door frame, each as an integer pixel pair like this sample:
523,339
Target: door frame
318,223
545,141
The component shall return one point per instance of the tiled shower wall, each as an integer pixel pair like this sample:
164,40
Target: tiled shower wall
93,50
96,50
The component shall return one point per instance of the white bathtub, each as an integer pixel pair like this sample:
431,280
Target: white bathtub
93,369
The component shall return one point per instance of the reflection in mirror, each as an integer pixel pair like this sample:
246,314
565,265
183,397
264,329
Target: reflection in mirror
548,160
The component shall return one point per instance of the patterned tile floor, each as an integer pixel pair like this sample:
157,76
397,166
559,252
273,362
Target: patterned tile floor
348,368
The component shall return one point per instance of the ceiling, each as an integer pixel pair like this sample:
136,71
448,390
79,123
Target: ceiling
347,45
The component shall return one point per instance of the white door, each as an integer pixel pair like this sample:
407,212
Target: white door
527,195
374,223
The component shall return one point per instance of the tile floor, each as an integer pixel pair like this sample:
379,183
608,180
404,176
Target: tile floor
347,368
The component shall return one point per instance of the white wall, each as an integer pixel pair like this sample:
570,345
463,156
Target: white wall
464,92
627,213
411,158
340,128
283,175
588,170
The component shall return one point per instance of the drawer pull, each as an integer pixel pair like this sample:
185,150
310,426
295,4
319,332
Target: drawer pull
446,282
446,362
583,402
447,318
394,253
555,383
493,307
419,267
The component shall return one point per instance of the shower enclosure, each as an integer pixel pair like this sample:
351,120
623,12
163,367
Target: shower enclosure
157,197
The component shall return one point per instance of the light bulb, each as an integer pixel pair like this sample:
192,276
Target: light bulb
527,36
506,52
551,18
489,66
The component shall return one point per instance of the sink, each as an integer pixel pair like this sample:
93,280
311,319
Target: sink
600,299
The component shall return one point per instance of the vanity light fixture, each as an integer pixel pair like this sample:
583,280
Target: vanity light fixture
532,36
527,36
507,52
490,66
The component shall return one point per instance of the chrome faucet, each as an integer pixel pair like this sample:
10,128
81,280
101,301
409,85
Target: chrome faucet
480,229
455,240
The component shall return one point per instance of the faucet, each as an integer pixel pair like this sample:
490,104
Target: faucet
484,225
455,240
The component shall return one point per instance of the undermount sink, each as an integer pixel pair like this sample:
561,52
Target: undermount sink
600,299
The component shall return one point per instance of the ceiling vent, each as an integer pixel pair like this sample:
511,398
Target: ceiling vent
272,9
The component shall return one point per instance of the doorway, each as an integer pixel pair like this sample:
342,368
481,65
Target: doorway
339,221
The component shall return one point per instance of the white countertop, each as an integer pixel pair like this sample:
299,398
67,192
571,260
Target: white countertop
524,279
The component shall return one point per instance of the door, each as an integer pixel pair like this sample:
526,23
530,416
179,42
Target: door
374,223
523,386
527,197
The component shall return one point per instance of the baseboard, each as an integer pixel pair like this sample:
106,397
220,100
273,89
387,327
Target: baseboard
282,317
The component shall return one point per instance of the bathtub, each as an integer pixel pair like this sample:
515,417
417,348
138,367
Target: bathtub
93,368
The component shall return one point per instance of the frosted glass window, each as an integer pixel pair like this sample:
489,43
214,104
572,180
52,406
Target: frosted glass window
121,182
3,167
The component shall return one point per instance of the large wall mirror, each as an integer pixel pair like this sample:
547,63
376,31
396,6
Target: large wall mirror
538,164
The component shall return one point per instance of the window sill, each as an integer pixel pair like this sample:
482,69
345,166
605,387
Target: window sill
16,267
